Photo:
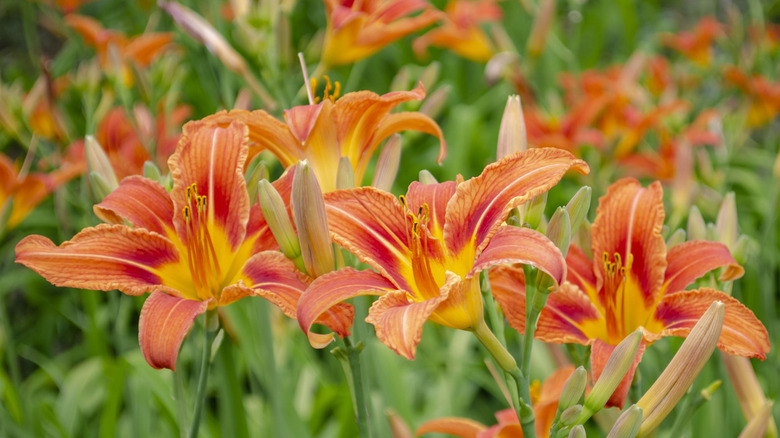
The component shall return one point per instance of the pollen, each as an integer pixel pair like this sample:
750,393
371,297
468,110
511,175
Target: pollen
202,257
615,273
332,90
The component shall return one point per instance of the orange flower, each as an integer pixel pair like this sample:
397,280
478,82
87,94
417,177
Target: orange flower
696,45
358,29
544,402
352,126
764,96
22,193
634,283
198,247
429,248
461,30
570,132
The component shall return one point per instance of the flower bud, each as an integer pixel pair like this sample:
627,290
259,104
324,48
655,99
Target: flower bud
534,210
345,176
577,431
746,386
98,163
572,391
430,75
152,172
697,228
616,368
257,172
758,425
387,164
310,220
727,221
627,424
678,376
559,230
712,232
569,415
427,177
278,220
676,238
401,80
434,103
545,14
743,249
100,188
578,207
511,133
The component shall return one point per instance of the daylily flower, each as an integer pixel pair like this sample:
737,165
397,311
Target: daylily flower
196,248
763,96
21,192
429,248
352,126
632,283
696,45
544,400
358,29
127,144
461,30
569,132
141,49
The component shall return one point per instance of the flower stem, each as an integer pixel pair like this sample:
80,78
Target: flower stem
358,394
210,328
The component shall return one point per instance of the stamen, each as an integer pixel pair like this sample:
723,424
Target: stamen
202,257
614,294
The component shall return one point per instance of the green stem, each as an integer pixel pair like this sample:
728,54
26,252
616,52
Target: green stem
181,402
358,391
210,328
272,378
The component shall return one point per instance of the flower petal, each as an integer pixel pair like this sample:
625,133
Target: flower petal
329,290
628,222
690,260
212,158
456,426
481,204
436,196
599,355
143,48
165,321
316,129
508,286
522,245
742,335
142,202
569,316
104,257
399,323
372,225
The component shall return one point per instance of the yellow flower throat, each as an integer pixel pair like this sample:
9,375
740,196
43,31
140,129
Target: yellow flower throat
201,255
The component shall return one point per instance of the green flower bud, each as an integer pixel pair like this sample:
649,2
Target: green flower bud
627,424
697,228
572,391
578,207
310,221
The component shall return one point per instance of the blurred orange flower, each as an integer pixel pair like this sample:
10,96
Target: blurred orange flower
696,45
461,30
763,96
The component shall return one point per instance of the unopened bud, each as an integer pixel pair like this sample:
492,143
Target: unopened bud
387,164
278,220
712,233
577,431
627,424
534,210
578,207
152,172
569,415
345,176
310,220
582,237
430,75
678,376
758,425
697,228
401,80
545,14
434,103
257,172
398,427
572,391
100,188
742,249
727,221
427,177
511,133
616,368
559,230
98,163
676,238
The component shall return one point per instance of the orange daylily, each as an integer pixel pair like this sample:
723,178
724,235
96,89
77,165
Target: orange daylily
570,132
461,30
141,49
764,96
352,126
198,247
429,248
22,193
544,400
632,283
126,143
358,29
696,45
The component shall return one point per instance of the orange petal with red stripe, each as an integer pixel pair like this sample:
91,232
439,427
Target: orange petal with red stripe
690,260
140,201
104,257
213,159
742,335
569,316
165,321
436,196
333,288
481,204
